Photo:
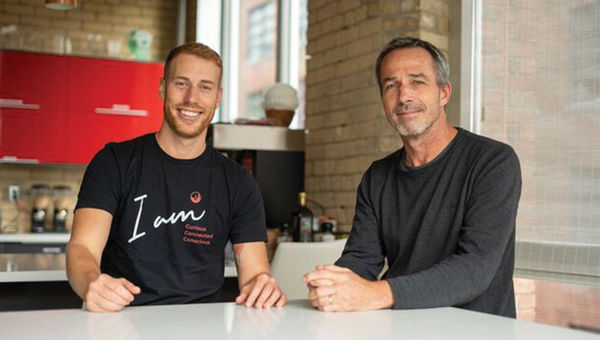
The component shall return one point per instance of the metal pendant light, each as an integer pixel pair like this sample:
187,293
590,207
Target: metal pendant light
62,5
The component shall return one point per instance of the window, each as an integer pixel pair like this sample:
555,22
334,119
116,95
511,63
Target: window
530,76
261,31
261,42
303,24
255,110
257,71
540,90
584,56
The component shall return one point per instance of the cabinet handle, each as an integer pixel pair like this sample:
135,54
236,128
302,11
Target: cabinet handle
15,160
17,104
51,250
118,109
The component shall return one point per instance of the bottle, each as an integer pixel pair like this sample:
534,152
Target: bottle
327,232
302,218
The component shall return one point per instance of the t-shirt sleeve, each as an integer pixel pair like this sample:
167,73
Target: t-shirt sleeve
364,253
248,222
488,227
99,188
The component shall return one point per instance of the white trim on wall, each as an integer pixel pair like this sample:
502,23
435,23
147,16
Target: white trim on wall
231,51
470,78
289,15
209,24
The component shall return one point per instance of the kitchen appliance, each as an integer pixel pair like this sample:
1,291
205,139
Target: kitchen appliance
274,156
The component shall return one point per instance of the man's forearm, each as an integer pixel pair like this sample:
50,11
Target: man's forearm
81,268
251,260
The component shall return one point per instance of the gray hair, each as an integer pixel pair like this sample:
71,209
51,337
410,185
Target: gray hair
440,63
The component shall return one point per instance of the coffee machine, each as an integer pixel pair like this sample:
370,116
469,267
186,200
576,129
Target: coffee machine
274,156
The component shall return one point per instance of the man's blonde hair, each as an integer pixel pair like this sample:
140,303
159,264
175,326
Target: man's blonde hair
196,49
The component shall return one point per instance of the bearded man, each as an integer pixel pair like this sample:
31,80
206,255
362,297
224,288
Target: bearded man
441,209
154,213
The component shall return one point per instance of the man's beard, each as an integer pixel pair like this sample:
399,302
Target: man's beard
180,131
406,130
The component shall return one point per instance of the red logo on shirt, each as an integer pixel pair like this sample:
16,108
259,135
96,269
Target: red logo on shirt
195,197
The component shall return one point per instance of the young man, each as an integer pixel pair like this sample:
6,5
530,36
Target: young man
154,213
442,209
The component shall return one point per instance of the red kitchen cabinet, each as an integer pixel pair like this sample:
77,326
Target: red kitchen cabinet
63,109
32,107
110,101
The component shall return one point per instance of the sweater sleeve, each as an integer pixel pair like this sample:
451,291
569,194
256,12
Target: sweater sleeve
488,228
364,250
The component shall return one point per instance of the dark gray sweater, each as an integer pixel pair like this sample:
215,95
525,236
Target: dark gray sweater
447,228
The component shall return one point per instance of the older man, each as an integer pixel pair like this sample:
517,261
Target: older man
441,209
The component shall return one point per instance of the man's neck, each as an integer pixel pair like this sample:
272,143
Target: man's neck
179,147
422,149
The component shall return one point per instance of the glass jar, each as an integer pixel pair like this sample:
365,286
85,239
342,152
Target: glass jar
63,205
40,207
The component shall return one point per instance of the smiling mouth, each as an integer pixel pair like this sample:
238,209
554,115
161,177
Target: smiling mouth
408,109
406,113
187,113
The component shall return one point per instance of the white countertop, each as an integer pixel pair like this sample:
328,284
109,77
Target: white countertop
32,267
61,275
297,320
45,238
48,267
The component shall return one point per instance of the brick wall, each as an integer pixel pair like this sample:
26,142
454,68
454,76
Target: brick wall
190,21
525,296
347,126
19,220
96,28
567,305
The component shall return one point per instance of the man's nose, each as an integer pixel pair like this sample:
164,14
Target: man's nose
192,94
405,94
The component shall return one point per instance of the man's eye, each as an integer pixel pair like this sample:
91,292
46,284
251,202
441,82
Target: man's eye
391,86
206,87
181,84
419,82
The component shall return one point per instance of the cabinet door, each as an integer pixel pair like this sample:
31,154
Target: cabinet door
34,79
33,92
90,132
33,135
110,101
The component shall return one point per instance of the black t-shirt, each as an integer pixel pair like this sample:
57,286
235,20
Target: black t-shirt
171,218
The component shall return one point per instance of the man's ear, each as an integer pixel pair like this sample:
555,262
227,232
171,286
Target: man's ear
162,89
445,93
